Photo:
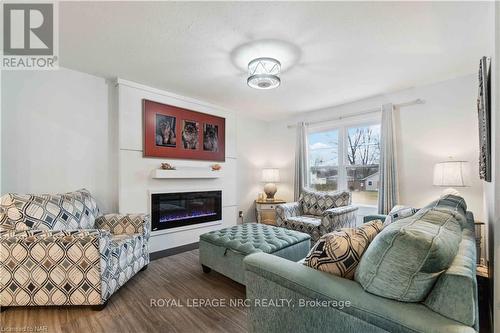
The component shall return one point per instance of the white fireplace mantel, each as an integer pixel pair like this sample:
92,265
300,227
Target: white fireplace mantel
186,173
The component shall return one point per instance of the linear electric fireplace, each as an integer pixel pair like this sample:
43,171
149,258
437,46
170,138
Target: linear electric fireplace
171,210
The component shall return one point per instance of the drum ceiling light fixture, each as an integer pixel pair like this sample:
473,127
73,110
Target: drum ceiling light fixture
264,73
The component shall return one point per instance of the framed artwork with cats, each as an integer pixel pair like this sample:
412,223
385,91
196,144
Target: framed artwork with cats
173,132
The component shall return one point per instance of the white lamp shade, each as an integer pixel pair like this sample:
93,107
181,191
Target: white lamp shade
270,175
451,173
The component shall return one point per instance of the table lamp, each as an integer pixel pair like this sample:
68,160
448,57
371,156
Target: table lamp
270,177
451,174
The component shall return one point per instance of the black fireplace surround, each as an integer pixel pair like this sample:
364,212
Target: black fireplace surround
172,210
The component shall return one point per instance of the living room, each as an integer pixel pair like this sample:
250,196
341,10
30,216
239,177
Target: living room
250,167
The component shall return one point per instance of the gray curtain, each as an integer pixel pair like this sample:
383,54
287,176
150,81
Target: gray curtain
300,160
388,193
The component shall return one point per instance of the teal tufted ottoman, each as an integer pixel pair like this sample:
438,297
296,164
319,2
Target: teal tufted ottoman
224,250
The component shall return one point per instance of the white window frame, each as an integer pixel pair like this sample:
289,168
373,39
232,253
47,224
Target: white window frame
341,126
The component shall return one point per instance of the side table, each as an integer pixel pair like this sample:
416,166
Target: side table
266,210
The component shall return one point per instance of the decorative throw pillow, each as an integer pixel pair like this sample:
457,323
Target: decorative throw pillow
73,210
339,252
399,212
404,261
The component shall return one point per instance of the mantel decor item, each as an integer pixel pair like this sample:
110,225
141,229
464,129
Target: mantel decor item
167,166
270,176
451,174
173,132
484,115
264,73
216,167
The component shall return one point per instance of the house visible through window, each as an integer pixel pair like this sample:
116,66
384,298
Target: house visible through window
357,168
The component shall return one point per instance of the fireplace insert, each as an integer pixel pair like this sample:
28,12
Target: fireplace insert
171,210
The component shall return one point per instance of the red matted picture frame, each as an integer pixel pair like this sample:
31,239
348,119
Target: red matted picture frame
173,132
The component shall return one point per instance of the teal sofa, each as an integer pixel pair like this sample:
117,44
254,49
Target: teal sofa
314,301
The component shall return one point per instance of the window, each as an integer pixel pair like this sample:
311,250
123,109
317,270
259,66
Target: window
357,168
323,160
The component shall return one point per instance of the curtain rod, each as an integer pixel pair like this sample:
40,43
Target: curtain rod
413,102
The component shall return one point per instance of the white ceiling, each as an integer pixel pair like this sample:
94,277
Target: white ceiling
332,53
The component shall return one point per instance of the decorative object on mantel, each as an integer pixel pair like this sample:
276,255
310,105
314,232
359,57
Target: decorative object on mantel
216,167
484,114
173,132
167,166
270,176
451,174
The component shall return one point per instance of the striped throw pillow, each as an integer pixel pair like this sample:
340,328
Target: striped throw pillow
339,252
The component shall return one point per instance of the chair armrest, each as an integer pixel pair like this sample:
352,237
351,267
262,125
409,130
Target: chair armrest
63,263
338,217
129,224
340,210
374,217
284,211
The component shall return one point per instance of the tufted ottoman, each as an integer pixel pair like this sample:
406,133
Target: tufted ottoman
224,250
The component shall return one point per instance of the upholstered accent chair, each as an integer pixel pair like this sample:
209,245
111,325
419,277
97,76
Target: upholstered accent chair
57,249
317,213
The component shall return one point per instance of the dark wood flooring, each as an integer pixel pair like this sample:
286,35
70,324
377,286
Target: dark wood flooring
177,277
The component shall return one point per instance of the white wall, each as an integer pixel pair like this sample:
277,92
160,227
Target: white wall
57,135
1,107
446,125
254,139
492,190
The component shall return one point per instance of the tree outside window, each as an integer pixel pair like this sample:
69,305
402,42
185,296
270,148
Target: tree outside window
362,169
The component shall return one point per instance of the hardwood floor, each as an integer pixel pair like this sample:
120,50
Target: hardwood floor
178,278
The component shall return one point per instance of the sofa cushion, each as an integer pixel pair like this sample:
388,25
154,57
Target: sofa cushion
74,210
339,252
404,261
315,203
454,294
452,203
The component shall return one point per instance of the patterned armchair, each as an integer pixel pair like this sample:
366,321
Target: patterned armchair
317,213
56,249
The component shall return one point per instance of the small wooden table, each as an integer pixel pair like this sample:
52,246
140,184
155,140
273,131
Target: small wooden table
266,210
